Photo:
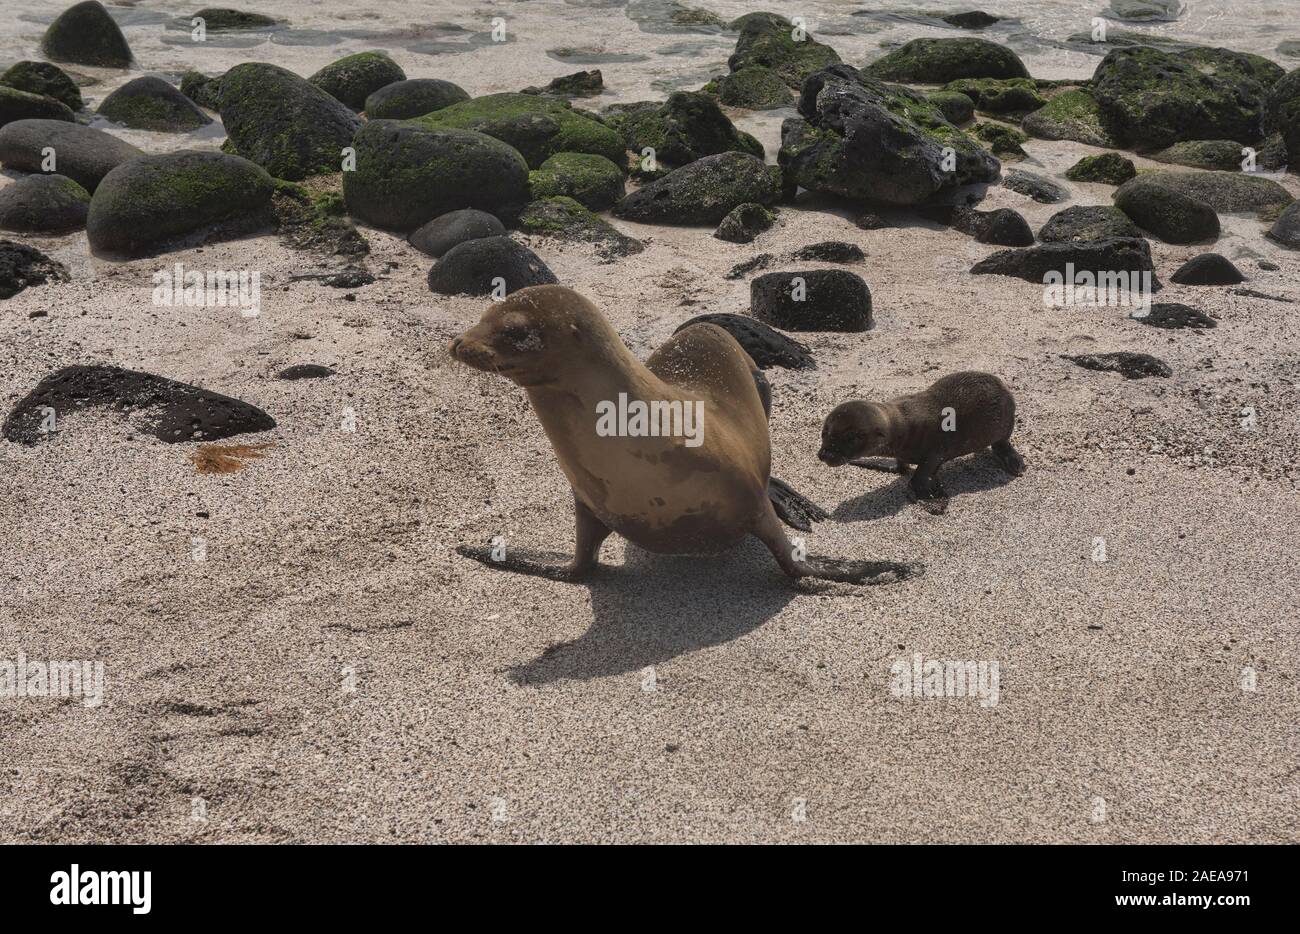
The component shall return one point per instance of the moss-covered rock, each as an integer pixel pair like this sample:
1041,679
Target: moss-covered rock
1203,154
744,223
536,126
592,181
407,174
150,103
565,219
223,19
45,79
1226,63
147,204
1072,114
353,78
768,41
753,87
956,108
1000,95
862,138
19,105
413,97
688,126
938,61
579,84
43,204
1282,113
1109,168
203,90
1003,140
85,34
1225,192
703,191
285,124
1170,215
83,154
1151,99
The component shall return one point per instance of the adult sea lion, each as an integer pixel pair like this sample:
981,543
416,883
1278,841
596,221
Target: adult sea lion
672,454
959,414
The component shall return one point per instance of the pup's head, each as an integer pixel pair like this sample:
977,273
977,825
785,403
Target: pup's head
852,430
533,336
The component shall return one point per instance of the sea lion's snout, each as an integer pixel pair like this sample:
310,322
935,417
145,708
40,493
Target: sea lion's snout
830,458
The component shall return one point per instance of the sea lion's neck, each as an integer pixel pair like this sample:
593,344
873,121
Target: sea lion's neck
567,407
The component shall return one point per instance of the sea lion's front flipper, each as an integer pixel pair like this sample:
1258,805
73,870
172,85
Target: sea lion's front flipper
549,564
795,509
866,573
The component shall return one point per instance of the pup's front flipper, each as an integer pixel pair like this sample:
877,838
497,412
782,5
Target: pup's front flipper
549,564
795,509
867,573
884,466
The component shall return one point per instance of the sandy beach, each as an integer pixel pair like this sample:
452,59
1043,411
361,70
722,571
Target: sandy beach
294,651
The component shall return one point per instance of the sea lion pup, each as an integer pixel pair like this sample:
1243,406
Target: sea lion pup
690,479
959,414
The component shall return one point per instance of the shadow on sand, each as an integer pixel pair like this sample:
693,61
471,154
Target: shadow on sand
973,474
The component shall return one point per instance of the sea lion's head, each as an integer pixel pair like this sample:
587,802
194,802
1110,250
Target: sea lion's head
535,336
852,430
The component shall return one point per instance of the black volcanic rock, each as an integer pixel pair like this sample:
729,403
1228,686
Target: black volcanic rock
768,346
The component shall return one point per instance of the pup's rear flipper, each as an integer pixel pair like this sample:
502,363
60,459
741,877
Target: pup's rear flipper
549,564
870,573
795,510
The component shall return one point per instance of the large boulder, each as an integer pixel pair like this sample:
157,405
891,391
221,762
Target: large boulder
1072,114
1150,99
1170,215
171,411
592,181
408,174
812,300
860,138
766,346
1208,269
46,79
454,228
150,103
1282,113
1221,154
1097,256
413,97
704,191
538,127
353,78
1088,222
1286,229
1108,168
20,105
477,267
1224,192
688,126
83,154
144,205
85,34
286,125
938,61
769,41
43,204
204,90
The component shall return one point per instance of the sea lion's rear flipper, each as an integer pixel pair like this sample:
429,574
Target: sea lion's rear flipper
868,573
795,510
549,564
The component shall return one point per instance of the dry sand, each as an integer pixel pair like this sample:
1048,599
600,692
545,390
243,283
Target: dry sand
494,707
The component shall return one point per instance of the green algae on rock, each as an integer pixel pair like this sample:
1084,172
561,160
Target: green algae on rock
407,174
939,61
768,41
150,103
413,97
592,181
1109,168
355,77
43,204
999,95
20,105
282,122
46,79
538,127
565,219
83,154
703,191
1072,114
686,127
146,204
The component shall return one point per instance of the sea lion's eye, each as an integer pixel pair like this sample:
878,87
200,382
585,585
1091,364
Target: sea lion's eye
521,337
